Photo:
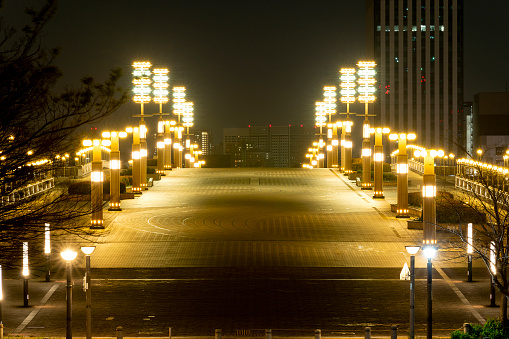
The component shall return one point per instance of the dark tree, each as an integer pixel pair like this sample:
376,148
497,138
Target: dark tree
485,204
38,121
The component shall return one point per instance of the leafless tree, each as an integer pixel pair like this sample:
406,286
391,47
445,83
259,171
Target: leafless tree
485,203
39,120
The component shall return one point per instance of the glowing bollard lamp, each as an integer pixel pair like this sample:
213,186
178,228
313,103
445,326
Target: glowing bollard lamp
136,156
114,168
69,256
88,321
378,159
96,181
47,250
402,173
169,127
26,273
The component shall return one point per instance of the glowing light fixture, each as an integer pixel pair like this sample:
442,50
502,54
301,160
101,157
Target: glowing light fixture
142,82
160,85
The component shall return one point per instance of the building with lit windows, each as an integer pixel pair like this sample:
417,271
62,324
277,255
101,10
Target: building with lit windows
490,122
268,146
418,48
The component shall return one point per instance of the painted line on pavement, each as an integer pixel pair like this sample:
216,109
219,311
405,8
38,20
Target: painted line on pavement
36,310
346,183
460,295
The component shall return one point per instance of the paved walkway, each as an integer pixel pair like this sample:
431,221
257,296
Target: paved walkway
255,248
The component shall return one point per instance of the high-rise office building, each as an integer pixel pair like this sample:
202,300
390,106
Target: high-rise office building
268,146
418,48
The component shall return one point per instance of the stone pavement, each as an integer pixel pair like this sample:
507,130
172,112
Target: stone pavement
247,249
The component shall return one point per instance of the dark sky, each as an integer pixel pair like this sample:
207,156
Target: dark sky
245,61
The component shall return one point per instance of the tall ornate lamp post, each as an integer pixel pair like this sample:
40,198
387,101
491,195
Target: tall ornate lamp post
402,173
330,109
379,162
88,321
429,190
96,178
179,99
69,256
142,90
334,143
160,97
188,122
347,97
366,89
320,121
135,155
114,168
169,127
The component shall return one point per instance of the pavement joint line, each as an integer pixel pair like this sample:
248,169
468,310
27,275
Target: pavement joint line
347,184
36,310
460,295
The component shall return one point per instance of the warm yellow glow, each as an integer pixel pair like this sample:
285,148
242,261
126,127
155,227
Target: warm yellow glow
470,238
141,82
429,191
68,255
366,81
402,168
96,176
493,258
25,272
378,157
87,143
87,249
114,164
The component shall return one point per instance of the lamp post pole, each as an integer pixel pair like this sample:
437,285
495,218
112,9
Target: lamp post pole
366,89
412,250
429,227
469,251
88,316
68,256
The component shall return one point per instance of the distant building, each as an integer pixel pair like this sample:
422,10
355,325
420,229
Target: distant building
418,48
490,125
469,127
268,146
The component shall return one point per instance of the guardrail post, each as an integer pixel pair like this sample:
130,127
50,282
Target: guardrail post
268,334
120,332
318,334
169,332
394,332
367,334
218,333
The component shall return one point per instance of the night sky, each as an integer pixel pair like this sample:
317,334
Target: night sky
244,61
